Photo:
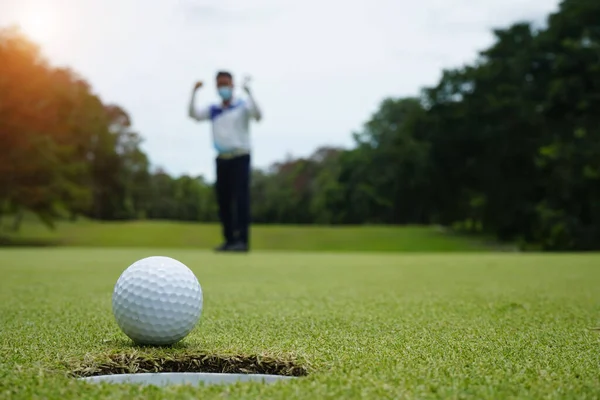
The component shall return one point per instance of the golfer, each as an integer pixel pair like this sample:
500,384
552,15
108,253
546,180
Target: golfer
231,137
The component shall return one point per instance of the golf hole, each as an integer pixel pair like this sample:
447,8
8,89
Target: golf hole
186,369
185,378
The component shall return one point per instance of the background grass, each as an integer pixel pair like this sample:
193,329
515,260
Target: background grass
484,326
270,237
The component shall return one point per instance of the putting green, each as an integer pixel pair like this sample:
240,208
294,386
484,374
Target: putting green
484,326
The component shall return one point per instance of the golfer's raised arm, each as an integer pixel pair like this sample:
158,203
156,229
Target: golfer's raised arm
253,107
199,114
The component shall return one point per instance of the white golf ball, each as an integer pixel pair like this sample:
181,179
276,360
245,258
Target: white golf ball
157,301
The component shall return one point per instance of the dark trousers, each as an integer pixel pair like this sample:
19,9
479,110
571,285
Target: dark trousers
233,196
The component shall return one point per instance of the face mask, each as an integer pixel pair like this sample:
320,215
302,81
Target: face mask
225,92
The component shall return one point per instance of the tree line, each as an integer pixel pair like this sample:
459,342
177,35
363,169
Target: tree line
507,146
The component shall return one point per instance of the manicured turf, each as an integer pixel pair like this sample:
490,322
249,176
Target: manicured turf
481,326
206,236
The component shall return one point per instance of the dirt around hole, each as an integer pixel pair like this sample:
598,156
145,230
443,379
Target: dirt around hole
132,363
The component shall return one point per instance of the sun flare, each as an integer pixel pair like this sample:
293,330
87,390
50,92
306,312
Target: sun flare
41,25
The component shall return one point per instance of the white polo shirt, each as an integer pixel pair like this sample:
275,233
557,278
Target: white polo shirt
230,124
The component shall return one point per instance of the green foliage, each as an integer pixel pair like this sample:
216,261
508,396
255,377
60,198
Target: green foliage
64,152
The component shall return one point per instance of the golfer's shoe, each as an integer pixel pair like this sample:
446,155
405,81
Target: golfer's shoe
223,247
239,247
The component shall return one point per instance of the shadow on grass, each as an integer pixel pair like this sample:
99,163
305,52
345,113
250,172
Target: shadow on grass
128,344
11,241
486,241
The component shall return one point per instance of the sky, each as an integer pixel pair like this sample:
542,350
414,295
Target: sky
319,68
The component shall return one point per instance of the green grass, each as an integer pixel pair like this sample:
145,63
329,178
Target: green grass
480,326
288,238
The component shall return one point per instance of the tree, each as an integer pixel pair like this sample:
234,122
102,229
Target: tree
40,169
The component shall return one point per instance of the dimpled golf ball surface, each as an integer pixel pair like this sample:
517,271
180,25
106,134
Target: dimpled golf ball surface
157,301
